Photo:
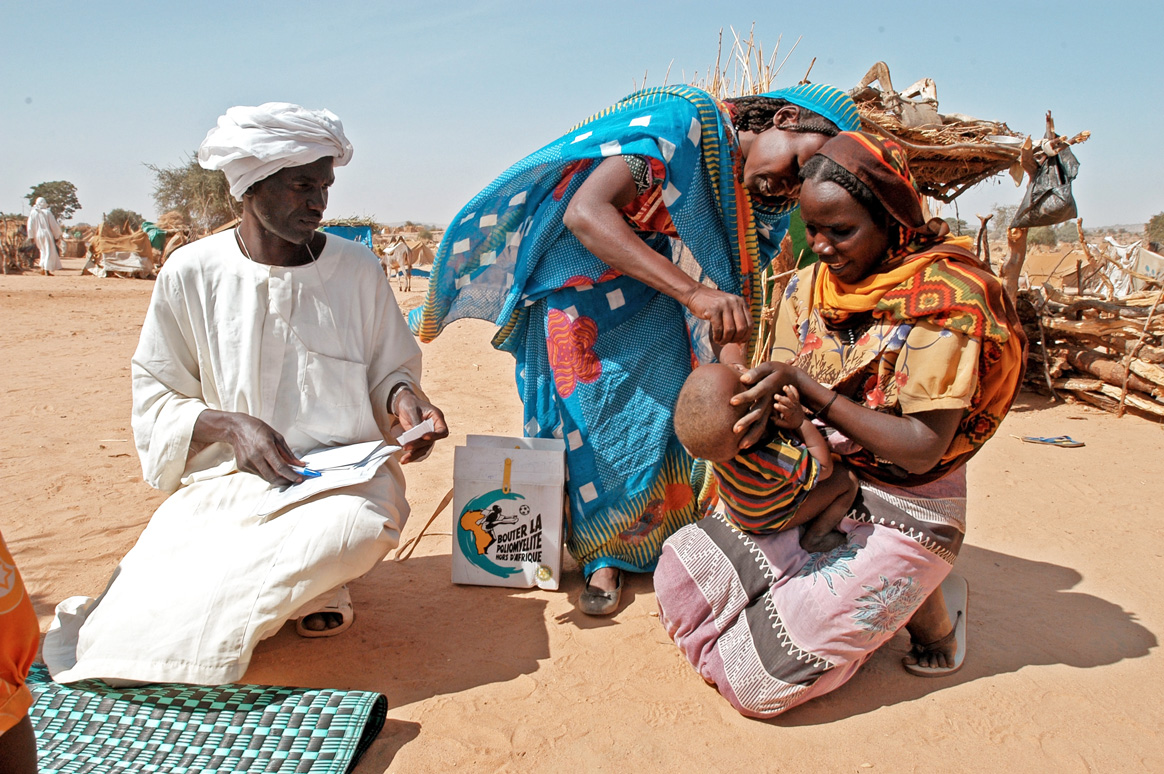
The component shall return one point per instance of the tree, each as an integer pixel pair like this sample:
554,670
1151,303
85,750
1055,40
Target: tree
1067,231
957,226
1042,235
201,195
126,220
1155,232
1003,215
61,196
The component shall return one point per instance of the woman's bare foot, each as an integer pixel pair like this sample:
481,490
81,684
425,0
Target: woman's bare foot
602,592
605,579
930,629
939,640
823,543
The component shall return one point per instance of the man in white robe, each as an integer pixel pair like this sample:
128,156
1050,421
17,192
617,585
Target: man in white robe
44,231
260,344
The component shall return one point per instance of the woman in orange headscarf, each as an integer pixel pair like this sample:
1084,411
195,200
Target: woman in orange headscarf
910,354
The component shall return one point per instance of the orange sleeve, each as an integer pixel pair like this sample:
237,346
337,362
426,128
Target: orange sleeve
19,637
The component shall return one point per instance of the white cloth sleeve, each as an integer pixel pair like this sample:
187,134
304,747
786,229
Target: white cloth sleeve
167,391
394,357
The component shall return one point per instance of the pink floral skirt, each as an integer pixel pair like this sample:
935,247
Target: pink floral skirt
772,626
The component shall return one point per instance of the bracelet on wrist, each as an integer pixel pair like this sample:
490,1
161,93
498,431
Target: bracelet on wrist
394,393
823,410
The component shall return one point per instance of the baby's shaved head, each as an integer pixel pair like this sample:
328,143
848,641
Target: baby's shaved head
704,416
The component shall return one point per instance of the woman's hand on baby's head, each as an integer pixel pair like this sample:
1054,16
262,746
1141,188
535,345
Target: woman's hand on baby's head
762,384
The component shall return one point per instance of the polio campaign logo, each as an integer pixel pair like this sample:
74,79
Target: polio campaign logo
495,527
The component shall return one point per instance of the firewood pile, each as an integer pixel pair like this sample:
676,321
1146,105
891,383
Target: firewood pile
1109,353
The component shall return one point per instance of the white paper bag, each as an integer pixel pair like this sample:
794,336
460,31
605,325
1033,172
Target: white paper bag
507,511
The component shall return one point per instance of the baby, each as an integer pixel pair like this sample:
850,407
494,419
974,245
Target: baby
787,479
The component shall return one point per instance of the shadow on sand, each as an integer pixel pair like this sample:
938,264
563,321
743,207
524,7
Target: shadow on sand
415,636
1022,613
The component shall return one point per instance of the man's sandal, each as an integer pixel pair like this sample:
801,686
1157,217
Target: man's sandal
340,604
956,592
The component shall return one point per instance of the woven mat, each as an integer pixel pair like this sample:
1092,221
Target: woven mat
89,728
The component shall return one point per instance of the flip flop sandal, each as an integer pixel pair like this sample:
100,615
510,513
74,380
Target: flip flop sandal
1065,441
340,604
956,591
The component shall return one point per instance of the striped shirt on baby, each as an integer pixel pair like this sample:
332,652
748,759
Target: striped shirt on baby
762,487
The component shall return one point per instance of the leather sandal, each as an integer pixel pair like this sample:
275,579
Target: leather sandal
599,602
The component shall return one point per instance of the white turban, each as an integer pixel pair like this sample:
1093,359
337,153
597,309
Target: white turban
250,144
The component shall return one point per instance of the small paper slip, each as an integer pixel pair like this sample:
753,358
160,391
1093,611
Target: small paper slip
336,466
411,435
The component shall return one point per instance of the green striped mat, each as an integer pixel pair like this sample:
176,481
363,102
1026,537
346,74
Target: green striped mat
89,728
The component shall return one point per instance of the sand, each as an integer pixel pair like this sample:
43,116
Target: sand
1064,549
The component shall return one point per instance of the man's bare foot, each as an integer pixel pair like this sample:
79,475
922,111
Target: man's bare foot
823,543
321,622
330,618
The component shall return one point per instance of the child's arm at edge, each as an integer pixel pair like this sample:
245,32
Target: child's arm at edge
818,447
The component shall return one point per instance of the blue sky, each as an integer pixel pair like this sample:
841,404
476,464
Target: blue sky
439,97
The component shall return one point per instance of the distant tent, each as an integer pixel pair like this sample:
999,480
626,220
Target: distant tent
361,234
112,252
421,252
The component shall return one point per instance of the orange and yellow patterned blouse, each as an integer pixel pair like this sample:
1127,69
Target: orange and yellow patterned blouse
939,334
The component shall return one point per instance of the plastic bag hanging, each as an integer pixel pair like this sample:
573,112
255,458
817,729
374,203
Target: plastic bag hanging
1048,199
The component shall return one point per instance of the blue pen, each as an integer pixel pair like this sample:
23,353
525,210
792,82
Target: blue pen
303,470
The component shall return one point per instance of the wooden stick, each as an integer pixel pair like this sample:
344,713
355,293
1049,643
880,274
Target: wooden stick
785,59
1093,327
983,241
1091,362
400,555
804,80
1070,308
1005,152
1016,242
1153,373
1131,399
1147,354
1042,343
1136,349
1096,399
1075,384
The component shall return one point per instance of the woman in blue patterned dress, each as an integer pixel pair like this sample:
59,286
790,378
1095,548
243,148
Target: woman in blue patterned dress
612,260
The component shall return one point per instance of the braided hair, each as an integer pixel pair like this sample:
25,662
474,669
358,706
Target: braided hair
823,169
754,114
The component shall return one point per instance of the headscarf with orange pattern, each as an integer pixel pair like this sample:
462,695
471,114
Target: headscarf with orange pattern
925,276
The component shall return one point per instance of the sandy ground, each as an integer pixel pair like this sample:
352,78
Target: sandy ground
1064,672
